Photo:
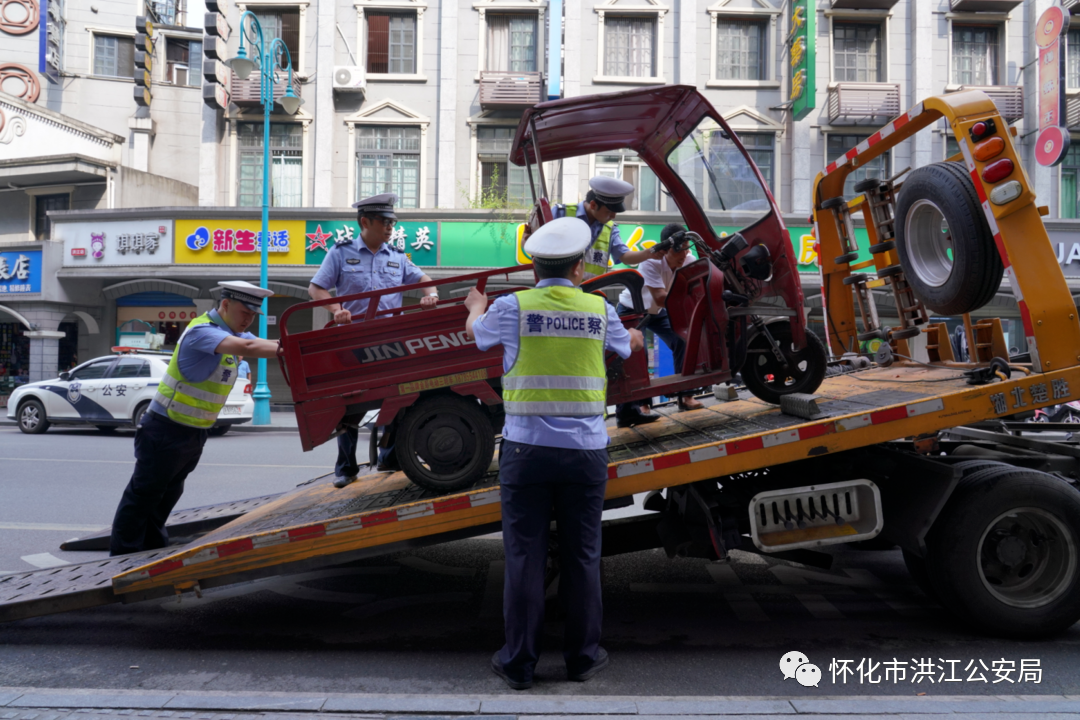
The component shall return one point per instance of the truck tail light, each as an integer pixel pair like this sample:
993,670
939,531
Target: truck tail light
982,129
247,389
998,170
1006,192
989,149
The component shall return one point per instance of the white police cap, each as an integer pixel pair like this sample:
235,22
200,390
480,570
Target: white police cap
378,205
243,291
561,239
611,192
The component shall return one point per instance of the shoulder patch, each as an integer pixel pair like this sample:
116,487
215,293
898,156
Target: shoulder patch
353,261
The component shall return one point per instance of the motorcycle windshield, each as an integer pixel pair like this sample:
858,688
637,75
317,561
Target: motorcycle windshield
716,172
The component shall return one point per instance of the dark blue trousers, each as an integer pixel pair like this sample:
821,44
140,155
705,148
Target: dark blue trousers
346,465
165,454
661,327
539,484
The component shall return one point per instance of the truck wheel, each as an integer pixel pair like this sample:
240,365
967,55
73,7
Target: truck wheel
1003,554
32,420
945,246
768,379
445,443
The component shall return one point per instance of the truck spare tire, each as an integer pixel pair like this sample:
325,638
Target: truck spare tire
944,242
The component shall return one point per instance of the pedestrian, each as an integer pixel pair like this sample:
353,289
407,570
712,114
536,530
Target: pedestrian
244,370
553,460
658,275
192,392
351,268
604,201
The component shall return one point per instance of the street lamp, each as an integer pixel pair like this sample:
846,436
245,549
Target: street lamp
266,61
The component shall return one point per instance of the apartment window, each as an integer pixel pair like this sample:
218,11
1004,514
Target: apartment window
857,52
630,47
286,159
627,166
42,205
183,62
284,24
1072,59
1070,188
879,167
498,176
511,43
388,161
974,54
114,56
740,50
391,46
168,12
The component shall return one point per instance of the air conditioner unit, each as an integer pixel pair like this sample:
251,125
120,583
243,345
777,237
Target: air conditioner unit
349,78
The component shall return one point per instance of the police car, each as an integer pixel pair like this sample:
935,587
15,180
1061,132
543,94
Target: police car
110,392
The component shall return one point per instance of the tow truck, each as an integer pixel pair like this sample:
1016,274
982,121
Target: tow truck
924,454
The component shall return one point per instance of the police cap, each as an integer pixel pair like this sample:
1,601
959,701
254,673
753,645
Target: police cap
378,205
559,240
242,291
611,192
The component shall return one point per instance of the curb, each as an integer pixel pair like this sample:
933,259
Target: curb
13,700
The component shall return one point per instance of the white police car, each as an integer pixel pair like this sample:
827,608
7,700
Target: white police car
110,392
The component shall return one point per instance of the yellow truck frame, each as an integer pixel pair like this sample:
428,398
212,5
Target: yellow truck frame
842,432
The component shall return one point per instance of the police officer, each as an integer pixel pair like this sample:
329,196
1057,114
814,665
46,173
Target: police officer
553,461
356,267
192,392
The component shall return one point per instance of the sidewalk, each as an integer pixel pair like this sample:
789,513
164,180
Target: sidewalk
60,704
279,420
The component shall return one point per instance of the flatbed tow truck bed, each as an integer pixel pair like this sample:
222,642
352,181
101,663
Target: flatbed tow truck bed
316,524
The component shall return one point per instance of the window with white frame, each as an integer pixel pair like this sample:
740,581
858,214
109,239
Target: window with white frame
974,54
857,52
391,42
627,166
281,23
388,161
511,42
1070,187
286,164
741,49
630,46
879,167
168,12
1072,59
183,61
114,56
499,178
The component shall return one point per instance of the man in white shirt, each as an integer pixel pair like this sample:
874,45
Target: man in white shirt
658,275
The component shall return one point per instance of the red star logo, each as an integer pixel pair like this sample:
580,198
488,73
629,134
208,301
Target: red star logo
318,239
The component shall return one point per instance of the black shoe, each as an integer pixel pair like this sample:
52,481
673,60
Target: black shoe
497,668
601,662
636,417
387,467
341,482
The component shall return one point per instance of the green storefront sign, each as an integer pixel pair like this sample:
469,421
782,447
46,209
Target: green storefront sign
802,58
418,239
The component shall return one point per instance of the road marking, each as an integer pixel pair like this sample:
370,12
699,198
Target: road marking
744,606
44,560
383,606
888,595
48,526
819,607
431,567
815,604
132,462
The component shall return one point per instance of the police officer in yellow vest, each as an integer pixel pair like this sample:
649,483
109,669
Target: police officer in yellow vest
553,461
192,392
603,202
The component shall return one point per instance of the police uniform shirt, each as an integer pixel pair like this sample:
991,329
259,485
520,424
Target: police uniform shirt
617,247
198,352
499,325
352,268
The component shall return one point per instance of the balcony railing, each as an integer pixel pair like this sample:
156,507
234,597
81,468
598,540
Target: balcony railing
854,102
1001,6
510,90
1008,98
245,93
1072,109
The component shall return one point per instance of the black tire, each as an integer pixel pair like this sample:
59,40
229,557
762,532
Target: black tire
905,333
834,202
806,368
882,247
867,184
31,417
888,272
944,241
879,334
848,258
854,278
139,411
218,430
106,429
1003,554
445,443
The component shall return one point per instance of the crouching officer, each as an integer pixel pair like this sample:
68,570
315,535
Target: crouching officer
192,392
371,264
553,461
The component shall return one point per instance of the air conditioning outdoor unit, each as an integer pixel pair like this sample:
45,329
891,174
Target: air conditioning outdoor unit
349,79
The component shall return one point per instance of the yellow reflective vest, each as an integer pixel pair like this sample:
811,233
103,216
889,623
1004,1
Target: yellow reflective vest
196,404
559,369
596,257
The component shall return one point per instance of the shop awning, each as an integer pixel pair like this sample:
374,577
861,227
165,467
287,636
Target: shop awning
53,170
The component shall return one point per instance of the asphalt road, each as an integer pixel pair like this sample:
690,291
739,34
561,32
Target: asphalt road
427,621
